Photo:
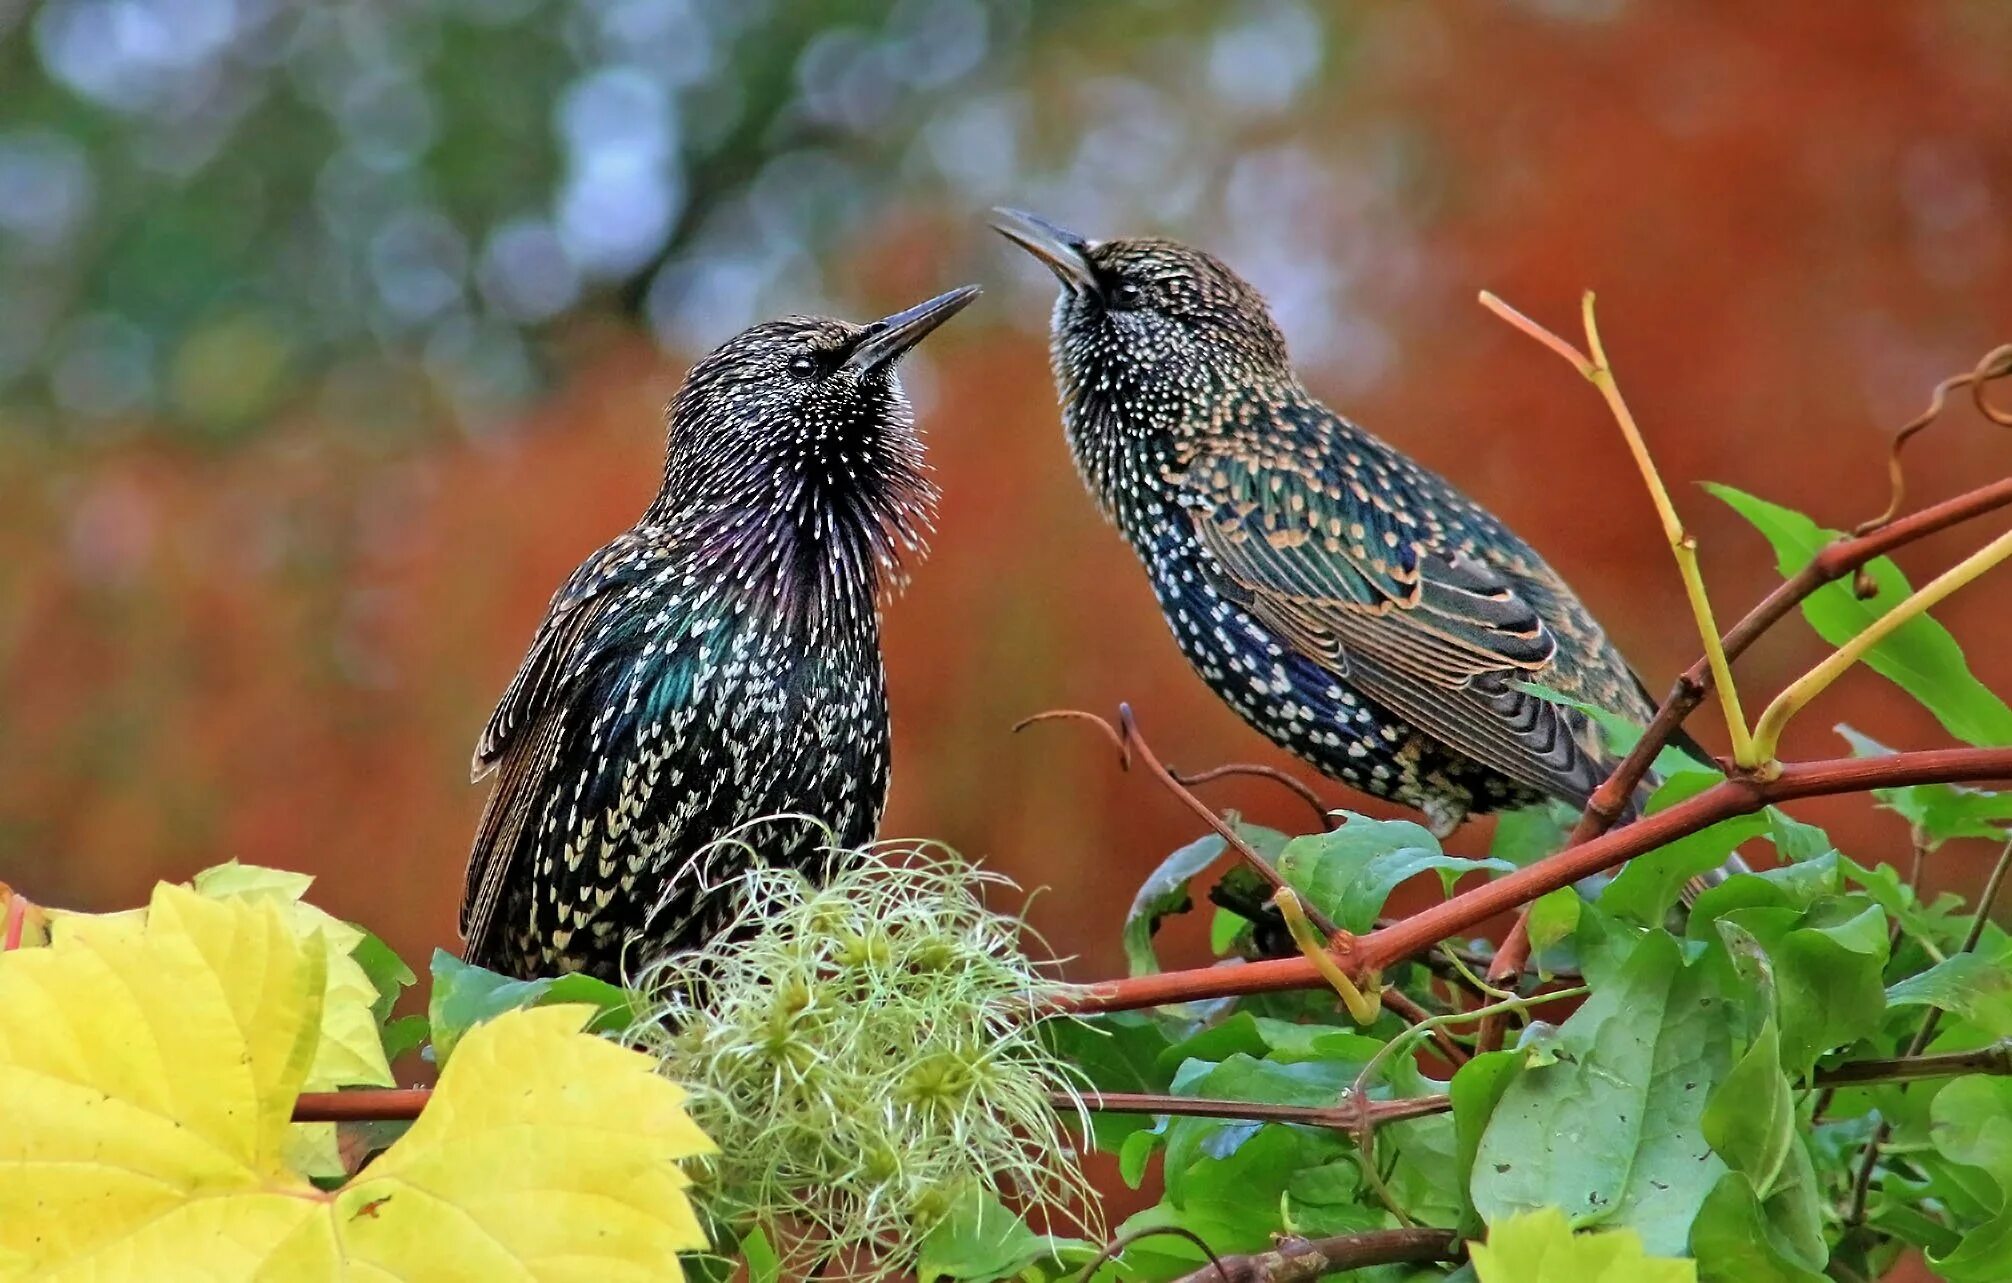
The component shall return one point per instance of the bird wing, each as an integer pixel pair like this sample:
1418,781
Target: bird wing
1344,548
565,640
523,734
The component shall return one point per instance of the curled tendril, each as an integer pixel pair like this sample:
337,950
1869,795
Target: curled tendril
1995,364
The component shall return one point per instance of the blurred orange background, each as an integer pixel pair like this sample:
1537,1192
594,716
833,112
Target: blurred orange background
279,648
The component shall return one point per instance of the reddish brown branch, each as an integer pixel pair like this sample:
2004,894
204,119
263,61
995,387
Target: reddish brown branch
1465,912
1300,1260
376,1104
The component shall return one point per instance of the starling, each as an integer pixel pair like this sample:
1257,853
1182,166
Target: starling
708,688
1345,601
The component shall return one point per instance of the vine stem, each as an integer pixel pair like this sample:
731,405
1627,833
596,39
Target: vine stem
1596,370
1798,694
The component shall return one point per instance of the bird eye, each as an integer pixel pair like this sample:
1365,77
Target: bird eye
1126,294
802,367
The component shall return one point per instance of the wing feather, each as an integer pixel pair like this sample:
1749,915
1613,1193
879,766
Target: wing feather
1351,553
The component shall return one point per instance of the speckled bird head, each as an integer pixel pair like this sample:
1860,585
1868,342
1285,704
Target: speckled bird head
793,448
1147,336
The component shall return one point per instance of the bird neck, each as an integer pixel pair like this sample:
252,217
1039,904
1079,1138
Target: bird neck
1133,439
812,565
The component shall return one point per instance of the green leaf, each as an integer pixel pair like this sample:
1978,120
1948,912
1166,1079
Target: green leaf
1119,1052
978,1238
1972,1125
1940,811
1553,917
387,971
1822,966
1232,1201
764,1265
1527,835
1611,1131
1475,1090
1648,886
1165,892
465,995
1732,1241
1919,656
1352,870
1969,985
1751,1123
1789,886
1539,1247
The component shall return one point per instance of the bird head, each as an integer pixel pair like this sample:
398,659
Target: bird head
795,434
1148,314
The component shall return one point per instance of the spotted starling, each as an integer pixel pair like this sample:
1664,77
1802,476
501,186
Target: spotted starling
1348,603
708,688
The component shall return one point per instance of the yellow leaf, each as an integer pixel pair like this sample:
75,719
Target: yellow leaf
149,1077
350,1052
543,1154
1541,1247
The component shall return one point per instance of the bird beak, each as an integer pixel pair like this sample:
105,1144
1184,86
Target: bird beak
888,339
1065,253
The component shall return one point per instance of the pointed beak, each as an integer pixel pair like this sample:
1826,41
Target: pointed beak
889,339
1065,253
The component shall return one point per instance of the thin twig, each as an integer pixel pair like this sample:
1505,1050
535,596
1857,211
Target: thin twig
1995,364
1597,370
1861,1185
402,1104
1324,817
1125,737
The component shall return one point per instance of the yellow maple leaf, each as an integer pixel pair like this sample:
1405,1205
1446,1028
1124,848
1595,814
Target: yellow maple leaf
149,1077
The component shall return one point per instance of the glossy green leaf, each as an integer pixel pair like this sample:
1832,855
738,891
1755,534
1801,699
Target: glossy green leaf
1553,918
1789,886
1611,1132
1969,985
1919,656
465,995
1733,1243
1772,1200
1940,812
1973,1127
1476,1088
1821,966
980,1239
1352,870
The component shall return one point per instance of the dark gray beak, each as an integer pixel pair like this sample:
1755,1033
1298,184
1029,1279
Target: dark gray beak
888,339
1065,253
